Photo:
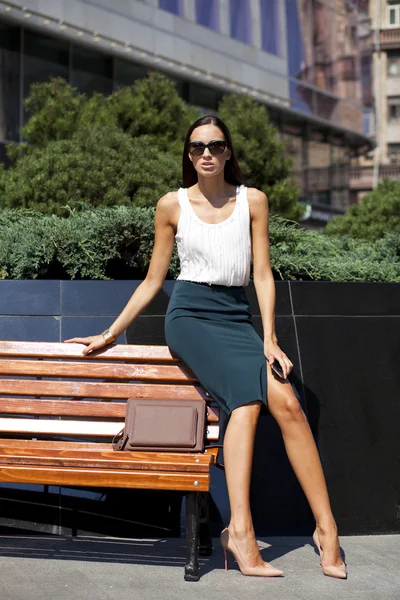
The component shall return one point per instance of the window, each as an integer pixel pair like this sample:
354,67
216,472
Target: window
366,80
9,82
393,13
394,149
204,97
4,156
91,71
126,73
240,20
394,64
394,108
44,57
172,6
207,13
270,26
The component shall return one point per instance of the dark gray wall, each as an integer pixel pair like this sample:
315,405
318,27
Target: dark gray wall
343,339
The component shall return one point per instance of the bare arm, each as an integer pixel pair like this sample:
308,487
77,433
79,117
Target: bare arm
160,260
263,278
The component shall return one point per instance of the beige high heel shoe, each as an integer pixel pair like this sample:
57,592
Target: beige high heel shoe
228,544
339,571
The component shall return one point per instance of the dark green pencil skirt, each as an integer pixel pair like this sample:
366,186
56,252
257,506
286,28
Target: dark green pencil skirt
211,330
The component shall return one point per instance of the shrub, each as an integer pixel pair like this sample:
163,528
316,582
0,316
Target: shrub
378,214
262,156
126,148
103,167
116,243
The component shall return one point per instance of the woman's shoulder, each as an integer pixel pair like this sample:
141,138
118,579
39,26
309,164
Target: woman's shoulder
257,199
168,201
168,209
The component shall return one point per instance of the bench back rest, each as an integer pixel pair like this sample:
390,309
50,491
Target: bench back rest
50,391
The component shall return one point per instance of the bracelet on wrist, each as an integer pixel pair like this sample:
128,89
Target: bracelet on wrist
108,336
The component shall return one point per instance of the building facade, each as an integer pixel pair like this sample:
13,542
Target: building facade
309,61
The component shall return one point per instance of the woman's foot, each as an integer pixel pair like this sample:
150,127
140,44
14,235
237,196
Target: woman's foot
328,545
247,554
329,541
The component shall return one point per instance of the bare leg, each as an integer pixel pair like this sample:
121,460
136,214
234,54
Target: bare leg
304,458
238,457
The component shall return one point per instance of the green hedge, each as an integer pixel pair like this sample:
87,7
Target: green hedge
116,243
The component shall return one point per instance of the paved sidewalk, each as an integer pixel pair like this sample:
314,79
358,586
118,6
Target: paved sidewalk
44,568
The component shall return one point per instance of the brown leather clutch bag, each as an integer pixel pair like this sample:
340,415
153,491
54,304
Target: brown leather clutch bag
162,424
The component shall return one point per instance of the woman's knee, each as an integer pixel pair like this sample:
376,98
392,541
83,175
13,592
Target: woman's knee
287,408
248,411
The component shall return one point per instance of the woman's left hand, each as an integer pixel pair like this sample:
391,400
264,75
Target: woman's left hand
274,353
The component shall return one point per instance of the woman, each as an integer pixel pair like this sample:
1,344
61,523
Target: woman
218,223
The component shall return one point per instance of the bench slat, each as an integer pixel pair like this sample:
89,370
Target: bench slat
152,373
75,408
21,387
57,427
66,408
74,428
89,447
61,350
105,460
106,478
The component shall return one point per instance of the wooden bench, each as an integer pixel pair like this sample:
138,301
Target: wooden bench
59,412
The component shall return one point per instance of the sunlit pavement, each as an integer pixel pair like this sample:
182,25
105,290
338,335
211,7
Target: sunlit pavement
40,568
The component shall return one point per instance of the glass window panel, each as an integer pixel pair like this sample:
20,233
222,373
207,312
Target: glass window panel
340,176
340,199
44,57
91,71
348,57
319,154
322,198
9,81
204,97
172,6
3,156
270,26
394,109
207,13
299,39
394,64
319,172
368,121
126,73
340,154
366,80
392,16
294,148
324,47
351,115
301,97
327,107
240,20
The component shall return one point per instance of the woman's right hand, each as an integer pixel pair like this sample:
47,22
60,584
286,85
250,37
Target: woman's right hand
93,342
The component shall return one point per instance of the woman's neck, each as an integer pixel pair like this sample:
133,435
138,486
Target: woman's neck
213,188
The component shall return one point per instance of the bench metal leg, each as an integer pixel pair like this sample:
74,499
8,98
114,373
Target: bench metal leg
206,546
192,570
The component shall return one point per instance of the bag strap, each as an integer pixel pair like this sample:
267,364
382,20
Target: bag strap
220,447
116,442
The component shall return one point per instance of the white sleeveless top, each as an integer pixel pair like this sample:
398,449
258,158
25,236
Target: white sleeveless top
215,253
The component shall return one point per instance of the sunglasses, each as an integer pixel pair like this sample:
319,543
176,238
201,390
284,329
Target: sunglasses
215,147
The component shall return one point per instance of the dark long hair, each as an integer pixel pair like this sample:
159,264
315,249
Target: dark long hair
232,172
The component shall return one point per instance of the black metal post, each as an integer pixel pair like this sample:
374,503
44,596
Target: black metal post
192,570
206,546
